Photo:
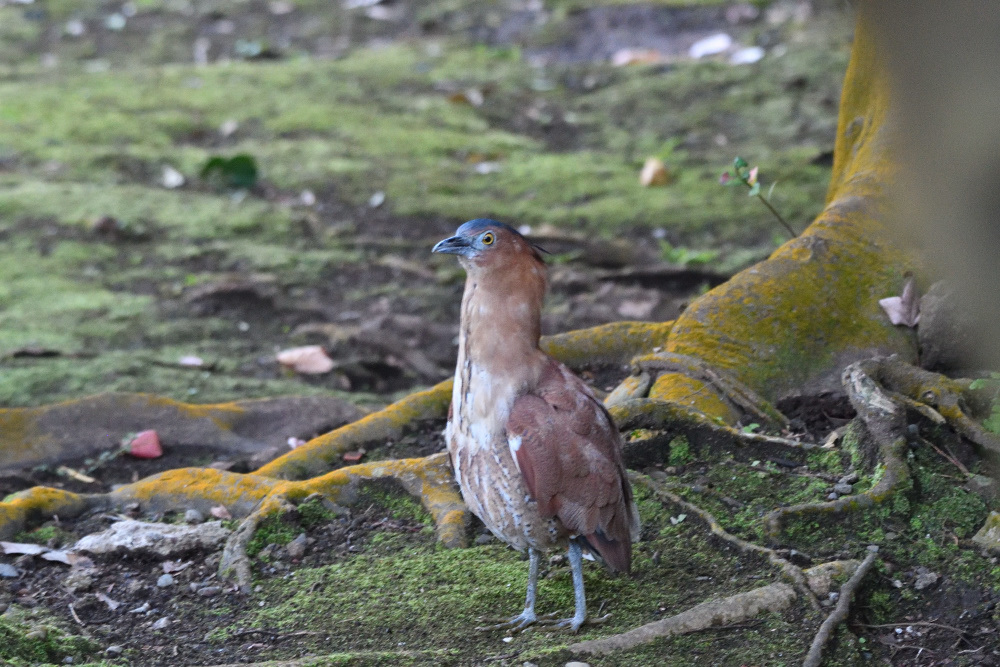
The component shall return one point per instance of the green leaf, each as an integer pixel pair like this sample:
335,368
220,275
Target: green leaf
740,163
750,428
237,172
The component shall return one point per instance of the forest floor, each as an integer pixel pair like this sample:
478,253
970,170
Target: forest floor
374,131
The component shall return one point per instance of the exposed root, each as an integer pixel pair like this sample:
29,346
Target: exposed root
815,655
792,572
616,342
885,419
235,564
324,453
724,384
732,610
656,414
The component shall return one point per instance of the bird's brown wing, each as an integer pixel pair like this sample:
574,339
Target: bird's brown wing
569,453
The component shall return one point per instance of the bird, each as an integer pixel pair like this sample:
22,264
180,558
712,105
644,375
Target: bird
536,455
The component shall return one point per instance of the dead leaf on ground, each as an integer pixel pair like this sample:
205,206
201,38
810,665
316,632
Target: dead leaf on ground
654,173
75,474
22,548
623,57
220,512
112,604
355,456
308,360
146,445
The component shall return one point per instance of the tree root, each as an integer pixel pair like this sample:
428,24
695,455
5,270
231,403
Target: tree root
792,572
738,394
734,609
235,563
430,479
884,418
815,655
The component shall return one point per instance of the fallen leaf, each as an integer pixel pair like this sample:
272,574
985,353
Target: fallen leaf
68,557
654,172
145,445
220,512
472,96
172,566
355,456
903,309
308,360
75,474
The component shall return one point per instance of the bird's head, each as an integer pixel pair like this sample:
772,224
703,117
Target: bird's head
482,243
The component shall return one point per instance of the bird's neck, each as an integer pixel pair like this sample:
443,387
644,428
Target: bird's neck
501,320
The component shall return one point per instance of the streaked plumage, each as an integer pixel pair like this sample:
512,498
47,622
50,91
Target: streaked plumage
536,455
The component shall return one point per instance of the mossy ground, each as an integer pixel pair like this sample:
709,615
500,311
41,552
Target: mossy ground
86,131
85,136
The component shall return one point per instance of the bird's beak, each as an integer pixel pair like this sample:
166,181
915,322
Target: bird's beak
455,245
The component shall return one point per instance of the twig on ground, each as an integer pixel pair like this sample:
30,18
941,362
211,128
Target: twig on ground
75,617
815,655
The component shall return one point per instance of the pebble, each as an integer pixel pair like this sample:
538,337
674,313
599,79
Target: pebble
193,516
8,570
849,478
843,489
161,624
484,538
114,650
577,664
209,591
832,496
78,580
165,580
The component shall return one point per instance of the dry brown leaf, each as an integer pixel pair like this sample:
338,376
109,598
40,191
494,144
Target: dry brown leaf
623,57
654,173
75,474
308,360
112,604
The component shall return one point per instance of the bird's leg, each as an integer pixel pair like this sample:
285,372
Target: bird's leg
526,617
576,565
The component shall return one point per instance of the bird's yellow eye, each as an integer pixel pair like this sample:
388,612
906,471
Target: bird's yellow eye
488,238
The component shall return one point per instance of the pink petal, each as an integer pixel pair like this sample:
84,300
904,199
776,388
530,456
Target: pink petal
146,445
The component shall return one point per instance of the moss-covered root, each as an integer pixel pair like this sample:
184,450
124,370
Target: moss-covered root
658,415
791,572
734,609
938,398
86,426
430,479
616,342
235,563
725,385
884,418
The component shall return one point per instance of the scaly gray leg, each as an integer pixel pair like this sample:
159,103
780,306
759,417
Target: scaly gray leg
526,617
576,565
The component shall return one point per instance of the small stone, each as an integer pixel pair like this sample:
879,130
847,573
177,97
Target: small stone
114,650
68,660
193,516
481,539
77,581
577,664
843,489
832,496
165,580
8,570
984,487
161,624
209,591
988,536
160,539
925,579
297,547
849,478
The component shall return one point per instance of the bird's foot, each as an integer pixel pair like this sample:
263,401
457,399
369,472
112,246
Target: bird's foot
520,622
572,624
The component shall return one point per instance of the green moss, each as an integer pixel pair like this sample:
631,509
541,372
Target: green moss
44,534
276,529
30,639
680,451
